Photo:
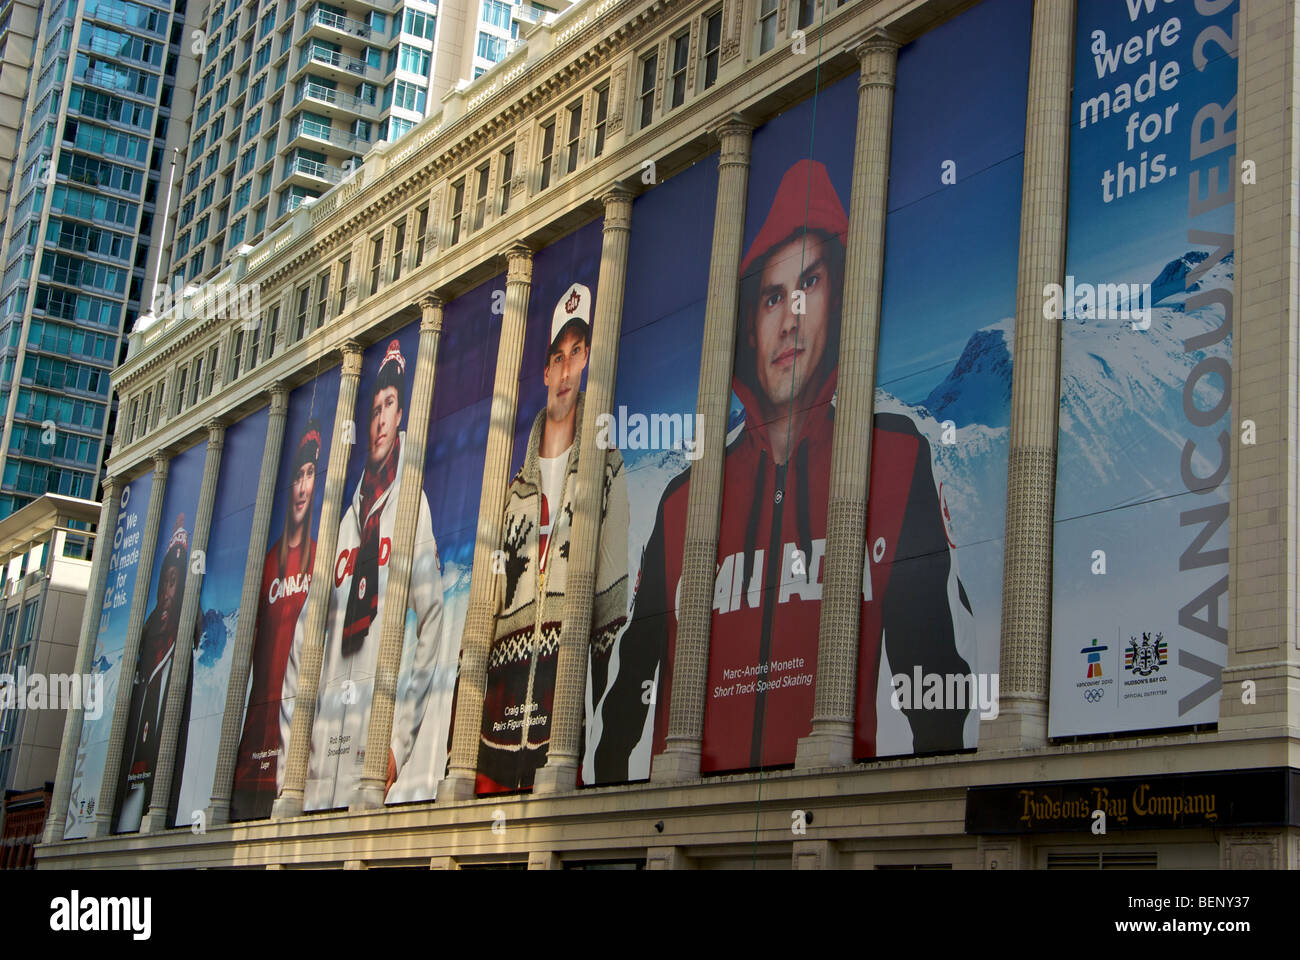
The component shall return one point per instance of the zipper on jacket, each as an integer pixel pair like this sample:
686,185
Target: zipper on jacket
771,583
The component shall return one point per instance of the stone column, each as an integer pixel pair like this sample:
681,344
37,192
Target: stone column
372,790
569,703
1035,392
831,741
289,803
102,824
90,617
681,758
481,616
1263,618
232,721
183,652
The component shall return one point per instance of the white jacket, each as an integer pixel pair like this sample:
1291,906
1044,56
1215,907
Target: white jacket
342,719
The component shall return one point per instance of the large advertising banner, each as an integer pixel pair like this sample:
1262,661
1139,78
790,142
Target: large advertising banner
767,598
932,584
153,669
653,426
224,568
532,561
110,642
453,481
1140,574
282,599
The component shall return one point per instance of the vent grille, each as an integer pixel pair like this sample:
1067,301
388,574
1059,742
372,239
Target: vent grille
1103,860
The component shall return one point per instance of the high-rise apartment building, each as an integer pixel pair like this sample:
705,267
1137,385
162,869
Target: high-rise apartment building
18,19
96,126
291,97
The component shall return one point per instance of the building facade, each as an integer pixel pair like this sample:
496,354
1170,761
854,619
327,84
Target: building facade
290,98
731,435
96,127
44,586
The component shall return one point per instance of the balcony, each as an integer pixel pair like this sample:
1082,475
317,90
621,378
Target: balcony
335,103
291,203
310,173
350,68
323,23
527,14
316,133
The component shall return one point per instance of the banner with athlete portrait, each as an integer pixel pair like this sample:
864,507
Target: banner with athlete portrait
532,560
110,642
282,597
172,566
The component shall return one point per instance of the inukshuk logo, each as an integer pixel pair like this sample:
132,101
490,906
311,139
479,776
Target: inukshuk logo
1148,656
1094,683
1094,658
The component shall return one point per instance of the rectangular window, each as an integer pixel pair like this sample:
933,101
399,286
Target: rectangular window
322,297
421,228
804,18
399,247
196,382
213,353
646,96
236,356
491,48
548,150
507,173
129,433
496,13
147,408
300,320
254,344
681,47
376,261
712,47
269,331
575,137
345,270
457,208
766,25
178,396
481,196
602,118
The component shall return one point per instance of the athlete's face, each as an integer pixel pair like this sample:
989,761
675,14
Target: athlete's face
563,375
169,594
304,488
785,359
385,418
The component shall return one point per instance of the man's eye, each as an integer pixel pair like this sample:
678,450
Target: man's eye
772,300
810,281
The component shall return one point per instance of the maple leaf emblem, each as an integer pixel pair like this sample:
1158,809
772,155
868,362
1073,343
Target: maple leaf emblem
571,304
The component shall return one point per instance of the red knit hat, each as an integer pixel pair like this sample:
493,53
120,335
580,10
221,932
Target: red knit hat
805,198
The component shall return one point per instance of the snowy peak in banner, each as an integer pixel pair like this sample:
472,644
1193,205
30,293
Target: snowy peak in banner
1169,288
978,387
1122,427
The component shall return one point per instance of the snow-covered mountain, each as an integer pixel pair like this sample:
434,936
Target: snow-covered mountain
1122,426
977,390
1169,288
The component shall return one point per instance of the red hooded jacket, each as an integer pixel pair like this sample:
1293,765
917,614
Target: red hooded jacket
767,592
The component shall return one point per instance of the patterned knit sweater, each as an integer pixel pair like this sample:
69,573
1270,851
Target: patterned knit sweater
522,660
